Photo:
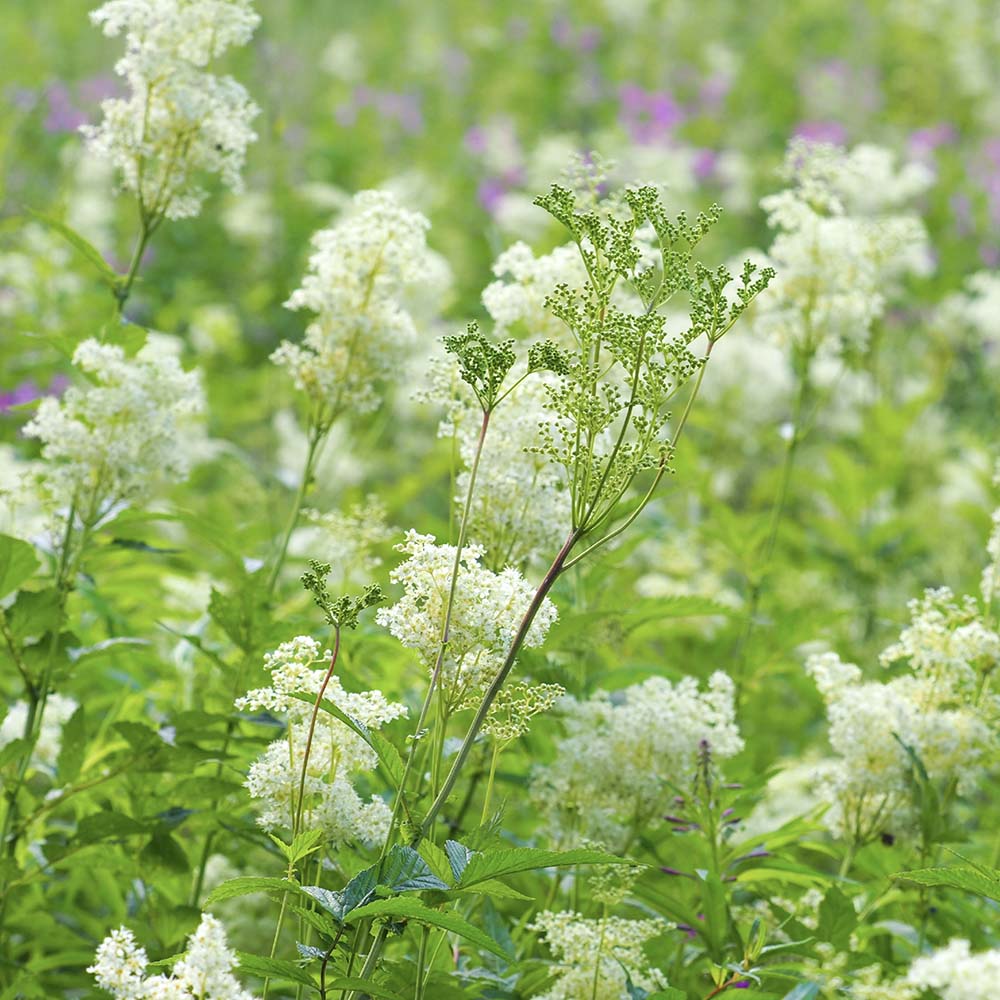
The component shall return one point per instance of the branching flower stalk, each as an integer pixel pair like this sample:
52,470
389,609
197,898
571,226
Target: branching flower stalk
603,443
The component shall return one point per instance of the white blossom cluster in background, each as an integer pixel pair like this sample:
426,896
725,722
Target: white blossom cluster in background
841,245
516,300
487,610
870,726
955,973
337,755
624,753
179,121
203,973
121,436
975,310
520,509
597,957
359,273
58,710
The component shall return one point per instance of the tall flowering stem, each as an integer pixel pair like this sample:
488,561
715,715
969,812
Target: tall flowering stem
445,628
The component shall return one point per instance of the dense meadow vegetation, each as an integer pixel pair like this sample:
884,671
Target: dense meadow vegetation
500,501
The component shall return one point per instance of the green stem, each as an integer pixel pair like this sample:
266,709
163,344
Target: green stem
445,633
316,436
489,783
774,524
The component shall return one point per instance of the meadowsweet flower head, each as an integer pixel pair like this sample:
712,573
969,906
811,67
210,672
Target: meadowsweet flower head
520,508
870,727
337,757
203,973
516,300
841,245
179,121
624,755
116,439
346,539
487,610
597,957
955,973
359,274
947,641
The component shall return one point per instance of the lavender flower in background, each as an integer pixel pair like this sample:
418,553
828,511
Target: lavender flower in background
648,116
828,132
28,391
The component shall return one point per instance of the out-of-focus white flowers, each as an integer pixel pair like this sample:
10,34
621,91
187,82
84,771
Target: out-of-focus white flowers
337,755
359,274
842,244
179,121
625,753
203,973
870,726
975,312
117,439
487,610
597,957
58,709
520,509
517,297
955,973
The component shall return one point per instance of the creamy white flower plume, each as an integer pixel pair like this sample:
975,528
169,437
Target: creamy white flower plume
179,122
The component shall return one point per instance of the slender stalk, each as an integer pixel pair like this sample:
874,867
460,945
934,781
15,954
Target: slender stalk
774,524
445,632
297,822
316,436
489,783
494,689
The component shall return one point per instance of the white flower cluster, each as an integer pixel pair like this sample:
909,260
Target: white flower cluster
841,245
203,973
597,957
520,509
487,610
955,973
179,121
991,574
58,709
346,539
869,723
624,753
975,309
947,642
337,756
116,439
359,273
524,281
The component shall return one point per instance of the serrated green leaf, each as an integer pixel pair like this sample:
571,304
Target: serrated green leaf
436,860
495,864
458,857
405,870
982,883
837,919
274,968
408,908
17,562
247,884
